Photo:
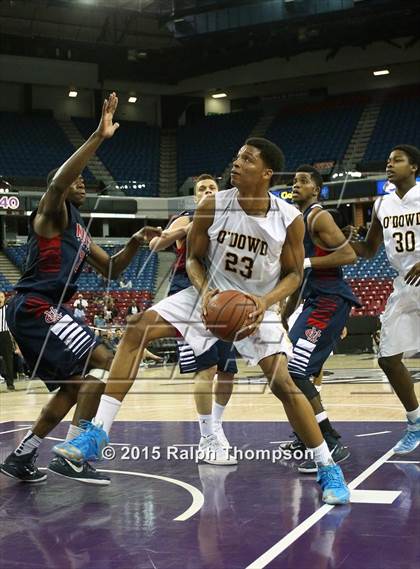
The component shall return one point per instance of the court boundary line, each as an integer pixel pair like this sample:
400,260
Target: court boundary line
23,428
290,538
197,495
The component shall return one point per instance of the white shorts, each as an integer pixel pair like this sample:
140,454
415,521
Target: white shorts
400,332
183,311
295,315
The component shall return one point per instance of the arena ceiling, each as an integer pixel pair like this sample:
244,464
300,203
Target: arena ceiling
140,39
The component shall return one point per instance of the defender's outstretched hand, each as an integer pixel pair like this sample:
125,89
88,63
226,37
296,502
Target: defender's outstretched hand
106,128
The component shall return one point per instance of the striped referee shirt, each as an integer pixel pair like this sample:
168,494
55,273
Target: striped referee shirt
3,323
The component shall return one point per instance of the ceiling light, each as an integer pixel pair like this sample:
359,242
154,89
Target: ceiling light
381,72
132,99
73,93
219,95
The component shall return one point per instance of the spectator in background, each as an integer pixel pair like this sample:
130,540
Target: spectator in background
80,304
133,308
21,367
99,320
6,347
125,283
110,311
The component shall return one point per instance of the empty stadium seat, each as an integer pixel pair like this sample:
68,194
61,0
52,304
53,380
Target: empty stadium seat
132,156
398,122
211,143
315,133
35,145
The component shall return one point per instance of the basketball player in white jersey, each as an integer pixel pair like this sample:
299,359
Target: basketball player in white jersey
215,366
244,239
396,222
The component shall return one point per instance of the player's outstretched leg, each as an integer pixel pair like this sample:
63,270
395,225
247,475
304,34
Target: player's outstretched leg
141,330
400,379
302,419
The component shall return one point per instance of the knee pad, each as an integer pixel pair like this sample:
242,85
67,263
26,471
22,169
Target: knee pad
306,386
101,374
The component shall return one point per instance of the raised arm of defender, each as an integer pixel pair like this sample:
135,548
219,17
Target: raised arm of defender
51,217
112,267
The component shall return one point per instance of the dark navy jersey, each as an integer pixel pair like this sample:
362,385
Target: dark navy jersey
179,278
53,265
323,281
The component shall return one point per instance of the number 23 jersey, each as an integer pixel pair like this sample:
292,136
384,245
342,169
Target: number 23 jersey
400,220
244,250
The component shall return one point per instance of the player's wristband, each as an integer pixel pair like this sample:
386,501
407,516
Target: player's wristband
307,263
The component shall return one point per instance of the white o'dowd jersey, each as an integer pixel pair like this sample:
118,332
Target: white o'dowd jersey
400,220
244,251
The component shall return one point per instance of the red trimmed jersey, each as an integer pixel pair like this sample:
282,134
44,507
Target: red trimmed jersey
53,266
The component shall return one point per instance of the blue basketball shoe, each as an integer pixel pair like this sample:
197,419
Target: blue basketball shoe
410,440
334,487
87,446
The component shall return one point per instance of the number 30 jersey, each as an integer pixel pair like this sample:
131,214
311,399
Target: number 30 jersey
400,220
244,250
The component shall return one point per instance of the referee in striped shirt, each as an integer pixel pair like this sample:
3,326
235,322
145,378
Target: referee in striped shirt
6,347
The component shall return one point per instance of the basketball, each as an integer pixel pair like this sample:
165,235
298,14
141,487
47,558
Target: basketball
227,315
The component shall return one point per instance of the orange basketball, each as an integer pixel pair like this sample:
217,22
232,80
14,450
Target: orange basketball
227,315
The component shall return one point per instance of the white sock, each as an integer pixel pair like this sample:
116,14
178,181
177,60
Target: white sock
217,412
28,444
107,411
206,425
322,454
73,432
321,416
412,416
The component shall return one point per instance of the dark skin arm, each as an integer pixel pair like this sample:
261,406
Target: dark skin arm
290,306
197,245
328,235
369,246
291,261
112,267
51,218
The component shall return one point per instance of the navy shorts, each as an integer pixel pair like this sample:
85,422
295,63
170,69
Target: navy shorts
54,344
316,332
179,281
221,354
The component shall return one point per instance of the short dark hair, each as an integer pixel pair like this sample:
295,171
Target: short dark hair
412,152
315,175
271,154
205,177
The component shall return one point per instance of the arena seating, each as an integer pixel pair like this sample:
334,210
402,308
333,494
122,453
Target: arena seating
35,145
371,281
5,285
16,254
133,154
210,144
398,122
142,272
315,133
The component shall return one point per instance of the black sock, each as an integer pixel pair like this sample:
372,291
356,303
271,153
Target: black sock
326,427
